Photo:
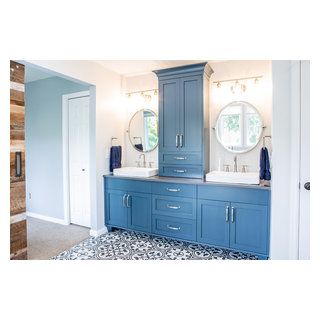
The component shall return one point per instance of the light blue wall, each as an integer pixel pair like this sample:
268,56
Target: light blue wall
43,123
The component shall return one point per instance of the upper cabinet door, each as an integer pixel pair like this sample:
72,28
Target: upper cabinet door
169,115
249,227
191,113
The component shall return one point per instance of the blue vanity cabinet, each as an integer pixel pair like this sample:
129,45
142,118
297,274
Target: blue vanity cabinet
184,121
126,208
174,210
139,211
116,210
234,217
213,222
249,227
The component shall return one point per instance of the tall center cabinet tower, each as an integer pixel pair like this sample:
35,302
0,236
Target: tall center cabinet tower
184,120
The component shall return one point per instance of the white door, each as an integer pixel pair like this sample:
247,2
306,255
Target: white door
304,223
79,189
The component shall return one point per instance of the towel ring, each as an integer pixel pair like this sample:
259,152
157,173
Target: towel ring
264,140
113,138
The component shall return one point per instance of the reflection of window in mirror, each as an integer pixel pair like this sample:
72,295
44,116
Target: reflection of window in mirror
239,127
150,130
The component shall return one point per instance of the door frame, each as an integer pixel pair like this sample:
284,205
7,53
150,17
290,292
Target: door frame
65,152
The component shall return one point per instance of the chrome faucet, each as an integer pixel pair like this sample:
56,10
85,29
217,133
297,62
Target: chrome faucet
235,165
144,159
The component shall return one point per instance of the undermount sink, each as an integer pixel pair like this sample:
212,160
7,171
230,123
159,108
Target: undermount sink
135,172
233,177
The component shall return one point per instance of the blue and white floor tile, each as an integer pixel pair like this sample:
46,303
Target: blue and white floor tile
129,245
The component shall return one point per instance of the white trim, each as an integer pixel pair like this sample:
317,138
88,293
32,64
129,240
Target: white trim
295,110
65,149
18,217
17,86
96,233
46,218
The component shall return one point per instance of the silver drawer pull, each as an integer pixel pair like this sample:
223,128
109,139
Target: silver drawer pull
180,158
173,207
232,214
227,213
173,228
180,171
173,190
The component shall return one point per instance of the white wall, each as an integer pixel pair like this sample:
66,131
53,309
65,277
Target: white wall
106,115
133,104
259,95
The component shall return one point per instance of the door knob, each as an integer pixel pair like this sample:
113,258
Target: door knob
307,186
83,169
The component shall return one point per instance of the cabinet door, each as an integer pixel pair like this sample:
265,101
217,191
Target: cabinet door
139,214
249,228
117,212
169,115
213,222
191,113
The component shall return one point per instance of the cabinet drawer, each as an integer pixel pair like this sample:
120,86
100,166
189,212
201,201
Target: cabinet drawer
174,189
237,194
181,158
128,185
181,171
174,227
174,207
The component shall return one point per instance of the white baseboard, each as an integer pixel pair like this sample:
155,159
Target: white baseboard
46,218
96,233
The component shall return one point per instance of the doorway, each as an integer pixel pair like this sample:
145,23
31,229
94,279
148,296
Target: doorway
76,154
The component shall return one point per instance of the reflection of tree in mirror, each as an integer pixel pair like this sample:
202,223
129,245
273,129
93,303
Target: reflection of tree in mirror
152,131
232,122
254,125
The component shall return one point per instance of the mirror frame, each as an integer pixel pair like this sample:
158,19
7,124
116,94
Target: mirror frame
132,144
229,105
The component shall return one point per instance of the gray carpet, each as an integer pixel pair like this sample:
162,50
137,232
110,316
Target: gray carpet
47,239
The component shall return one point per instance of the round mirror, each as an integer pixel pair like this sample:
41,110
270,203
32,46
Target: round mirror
143,130
239,127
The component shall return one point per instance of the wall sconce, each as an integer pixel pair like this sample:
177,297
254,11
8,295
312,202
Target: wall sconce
238,87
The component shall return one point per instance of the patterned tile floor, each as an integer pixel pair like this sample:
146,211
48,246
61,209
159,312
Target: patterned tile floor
129,245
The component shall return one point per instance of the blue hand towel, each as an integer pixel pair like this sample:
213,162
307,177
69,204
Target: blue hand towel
115,158
267,174
264,165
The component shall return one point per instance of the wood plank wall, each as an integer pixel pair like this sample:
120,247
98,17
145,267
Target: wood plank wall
18,226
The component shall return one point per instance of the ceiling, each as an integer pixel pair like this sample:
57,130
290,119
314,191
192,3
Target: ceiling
33,74
136,67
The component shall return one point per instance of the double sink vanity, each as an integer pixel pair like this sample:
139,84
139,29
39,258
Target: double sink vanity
181,200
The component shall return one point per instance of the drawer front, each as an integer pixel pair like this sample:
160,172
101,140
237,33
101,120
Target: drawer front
236,194
128,185
180,171
174,227
181,158
174,207
174,189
